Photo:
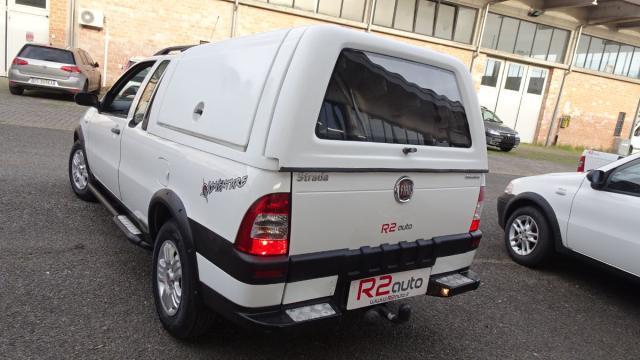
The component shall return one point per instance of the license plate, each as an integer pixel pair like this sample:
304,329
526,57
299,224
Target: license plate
389,287
46,82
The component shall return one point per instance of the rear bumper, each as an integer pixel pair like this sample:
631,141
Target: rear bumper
72,84
275,318
256,292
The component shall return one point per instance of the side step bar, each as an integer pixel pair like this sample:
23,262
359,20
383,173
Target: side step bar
125,224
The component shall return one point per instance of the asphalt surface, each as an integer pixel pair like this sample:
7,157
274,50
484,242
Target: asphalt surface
71,286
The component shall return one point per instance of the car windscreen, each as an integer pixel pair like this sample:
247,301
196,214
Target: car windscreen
47,54
382,99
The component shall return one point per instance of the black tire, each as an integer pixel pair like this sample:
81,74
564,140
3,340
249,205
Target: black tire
506,149
543,249
15,90
82,192
191,318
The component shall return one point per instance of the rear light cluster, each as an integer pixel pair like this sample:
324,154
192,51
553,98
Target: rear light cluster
18,61
581,163
475,223
71,69
264,230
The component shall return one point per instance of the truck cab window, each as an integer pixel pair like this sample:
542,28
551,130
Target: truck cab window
119,99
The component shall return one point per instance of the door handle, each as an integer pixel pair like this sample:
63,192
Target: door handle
115,130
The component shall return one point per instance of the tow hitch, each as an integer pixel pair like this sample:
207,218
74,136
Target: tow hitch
403,314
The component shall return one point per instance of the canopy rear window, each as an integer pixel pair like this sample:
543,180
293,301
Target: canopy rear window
47,54
382,99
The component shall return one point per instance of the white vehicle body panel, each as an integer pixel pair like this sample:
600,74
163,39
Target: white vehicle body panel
600,224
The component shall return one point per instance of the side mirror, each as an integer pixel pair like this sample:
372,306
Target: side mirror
87,99
597,178
96,65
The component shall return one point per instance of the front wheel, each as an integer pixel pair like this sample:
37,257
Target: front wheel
175,285
506,149
79,174
528,237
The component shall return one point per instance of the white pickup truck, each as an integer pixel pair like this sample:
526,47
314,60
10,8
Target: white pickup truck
285,178
591,159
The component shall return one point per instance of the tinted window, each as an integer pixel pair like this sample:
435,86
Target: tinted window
425,16
557,47
508,34
35,3
119,99
377,98
526,33
444,21
491,71
514,77
626,179
536,81
47,54
541,42
492,31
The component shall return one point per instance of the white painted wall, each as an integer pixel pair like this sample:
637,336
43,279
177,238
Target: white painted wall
23,24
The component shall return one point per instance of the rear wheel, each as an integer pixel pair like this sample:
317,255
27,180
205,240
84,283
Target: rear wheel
15,90
528,237
79,174
175,285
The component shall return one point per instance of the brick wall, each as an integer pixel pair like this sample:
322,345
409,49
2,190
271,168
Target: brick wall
593,102
139,28
58,13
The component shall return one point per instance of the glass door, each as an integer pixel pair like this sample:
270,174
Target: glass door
510,93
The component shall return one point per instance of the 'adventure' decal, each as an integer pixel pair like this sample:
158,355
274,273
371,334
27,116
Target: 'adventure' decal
221,184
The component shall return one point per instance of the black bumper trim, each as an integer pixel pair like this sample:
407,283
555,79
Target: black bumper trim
352,263
503,201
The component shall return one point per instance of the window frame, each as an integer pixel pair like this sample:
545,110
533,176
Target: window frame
435,20
634,50
612,172
562,57
316,9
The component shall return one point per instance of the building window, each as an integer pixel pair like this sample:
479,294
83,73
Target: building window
607,56
346,9
491,72
431,18
525,38
35,3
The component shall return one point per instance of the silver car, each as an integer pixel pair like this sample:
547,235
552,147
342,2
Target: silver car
51,68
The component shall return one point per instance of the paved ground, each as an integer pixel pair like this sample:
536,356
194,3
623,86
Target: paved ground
71,286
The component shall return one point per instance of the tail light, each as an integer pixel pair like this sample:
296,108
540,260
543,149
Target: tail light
264,230
71,69
475,223
581,163
18,61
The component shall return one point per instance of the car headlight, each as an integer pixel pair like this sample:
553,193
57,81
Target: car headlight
509,188
492,132
517,136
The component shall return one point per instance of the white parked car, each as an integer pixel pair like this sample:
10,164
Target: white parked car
593,214
285,178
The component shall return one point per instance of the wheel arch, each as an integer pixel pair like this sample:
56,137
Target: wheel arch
535,200
166,205
78,135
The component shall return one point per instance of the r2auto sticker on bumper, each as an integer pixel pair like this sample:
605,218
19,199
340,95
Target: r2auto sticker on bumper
388,287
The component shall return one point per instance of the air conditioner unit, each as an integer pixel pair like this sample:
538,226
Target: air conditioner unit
92,18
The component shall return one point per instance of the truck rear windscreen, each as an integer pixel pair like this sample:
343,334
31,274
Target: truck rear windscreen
382,99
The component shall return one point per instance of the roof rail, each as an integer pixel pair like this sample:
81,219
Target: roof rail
170,49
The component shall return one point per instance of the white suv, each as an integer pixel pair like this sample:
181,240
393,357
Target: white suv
285,178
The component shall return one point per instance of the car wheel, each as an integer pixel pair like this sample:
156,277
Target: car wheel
16,90
85,88
79,174
175,285
528,237
506,149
